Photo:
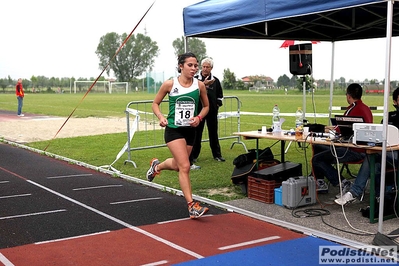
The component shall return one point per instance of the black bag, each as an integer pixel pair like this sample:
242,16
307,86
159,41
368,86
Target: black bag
240,175
250,157
389,204
246,164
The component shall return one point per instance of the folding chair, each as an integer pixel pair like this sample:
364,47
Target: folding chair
348,171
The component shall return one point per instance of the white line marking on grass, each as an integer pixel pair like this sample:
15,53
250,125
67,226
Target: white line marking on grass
249,242
14,196
5,261
64,176
72,237
116,220
138,200
87,188
31,214
161,262
41,118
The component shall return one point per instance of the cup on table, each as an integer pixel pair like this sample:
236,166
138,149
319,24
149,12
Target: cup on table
305,132
264,130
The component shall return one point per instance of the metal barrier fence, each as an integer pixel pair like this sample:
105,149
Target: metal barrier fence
143,124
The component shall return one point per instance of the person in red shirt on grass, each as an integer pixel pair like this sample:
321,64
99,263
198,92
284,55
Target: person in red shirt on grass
19,91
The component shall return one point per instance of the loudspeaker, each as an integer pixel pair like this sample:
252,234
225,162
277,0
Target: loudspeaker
301,59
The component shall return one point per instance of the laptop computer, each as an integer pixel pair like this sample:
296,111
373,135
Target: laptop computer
345,125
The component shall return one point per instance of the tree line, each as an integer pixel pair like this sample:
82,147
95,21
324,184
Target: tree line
138,56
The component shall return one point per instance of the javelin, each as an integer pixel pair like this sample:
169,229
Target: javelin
95,81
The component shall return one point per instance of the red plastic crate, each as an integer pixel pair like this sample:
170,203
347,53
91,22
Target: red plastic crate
262,190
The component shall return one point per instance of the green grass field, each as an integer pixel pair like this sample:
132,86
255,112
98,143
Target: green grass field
213,180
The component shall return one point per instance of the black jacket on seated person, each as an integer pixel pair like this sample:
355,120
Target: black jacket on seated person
393,117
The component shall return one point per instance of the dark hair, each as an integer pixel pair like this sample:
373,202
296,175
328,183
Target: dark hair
181,59
355,91
395,94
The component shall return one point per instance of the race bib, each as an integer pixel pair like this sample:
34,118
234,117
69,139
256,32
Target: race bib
184,111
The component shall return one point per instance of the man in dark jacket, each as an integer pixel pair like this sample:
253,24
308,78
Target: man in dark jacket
215,96
393,116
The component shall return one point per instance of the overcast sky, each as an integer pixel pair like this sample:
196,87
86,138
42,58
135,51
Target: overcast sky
59,39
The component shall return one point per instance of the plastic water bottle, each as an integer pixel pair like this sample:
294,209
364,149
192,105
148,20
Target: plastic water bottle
298,123
276,119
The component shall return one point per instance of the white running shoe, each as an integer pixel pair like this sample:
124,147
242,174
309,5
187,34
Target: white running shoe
152,172
196,210
346,186
345,199
321,186
195,167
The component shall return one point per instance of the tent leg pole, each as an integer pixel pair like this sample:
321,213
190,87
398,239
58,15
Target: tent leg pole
331,81
304,95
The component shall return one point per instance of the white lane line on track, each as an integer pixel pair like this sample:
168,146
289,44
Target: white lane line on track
138,200
14,196
3,182
116,220
5,261
183,219
64,176
161,262
96,187
249,242
31,214
73,237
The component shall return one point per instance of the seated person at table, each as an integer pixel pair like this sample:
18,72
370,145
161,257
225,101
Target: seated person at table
356,190
324,156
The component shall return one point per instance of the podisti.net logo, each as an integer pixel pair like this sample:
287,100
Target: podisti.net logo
383,255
